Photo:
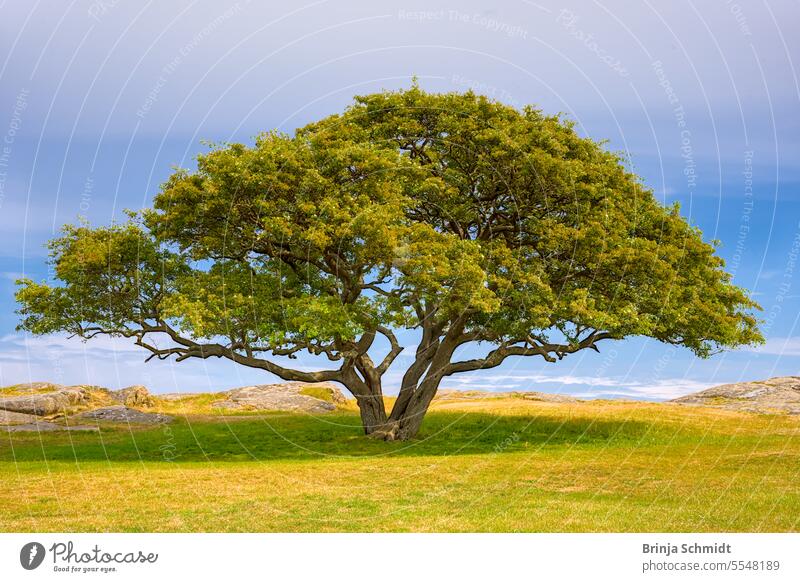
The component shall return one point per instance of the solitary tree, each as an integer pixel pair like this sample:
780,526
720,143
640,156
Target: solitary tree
467,220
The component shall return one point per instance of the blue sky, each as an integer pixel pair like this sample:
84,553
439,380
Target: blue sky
99,100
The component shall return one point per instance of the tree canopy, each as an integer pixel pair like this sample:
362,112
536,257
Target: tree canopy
451,214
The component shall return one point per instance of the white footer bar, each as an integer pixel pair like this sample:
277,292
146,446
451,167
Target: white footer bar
400,557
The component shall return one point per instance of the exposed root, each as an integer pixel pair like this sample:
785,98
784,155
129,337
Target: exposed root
387,432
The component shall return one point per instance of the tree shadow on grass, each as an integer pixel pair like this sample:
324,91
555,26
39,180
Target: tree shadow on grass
336,436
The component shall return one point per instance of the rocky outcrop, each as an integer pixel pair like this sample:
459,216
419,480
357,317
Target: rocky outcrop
47,403
9,418
42,426
776,395
26,404
292,397
326,391
136,396
124,414
24,410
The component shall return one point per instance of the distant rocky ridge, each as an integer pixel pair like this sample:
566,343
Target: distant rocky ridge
460,395
776,395
39,406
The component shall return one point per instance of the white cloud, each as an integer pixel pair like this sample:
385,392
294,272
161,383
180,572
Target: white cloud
665,389
599,386
68,346
779,346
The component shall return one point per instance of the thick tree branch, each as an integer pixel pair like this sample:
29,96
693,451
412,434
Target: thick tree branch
394,351
188,348
532,347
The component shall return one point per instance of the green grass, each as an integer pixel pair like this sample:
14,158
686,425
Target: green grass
496,465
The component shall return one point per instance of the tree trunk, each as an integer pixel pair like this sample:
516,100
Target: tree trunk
415,395
404,424
413,402
412,417
373,412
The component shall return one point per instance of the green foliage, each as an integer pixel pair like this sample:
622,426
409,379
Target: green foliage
448,212
110,278
565,235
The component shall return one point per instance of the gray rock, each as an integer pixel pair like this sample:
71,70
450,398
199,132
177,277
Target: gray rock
124,414
137,396
45,404
45,427
282,397
776,395
7,418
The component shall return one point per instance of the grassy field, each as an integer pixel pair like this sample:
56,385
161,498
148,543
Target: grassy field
490,465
